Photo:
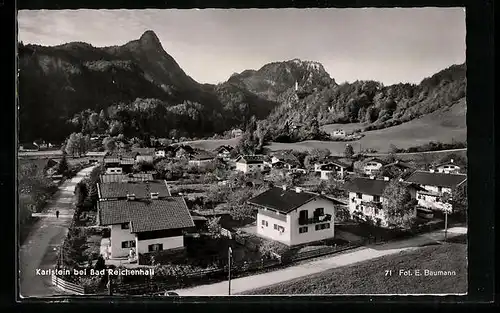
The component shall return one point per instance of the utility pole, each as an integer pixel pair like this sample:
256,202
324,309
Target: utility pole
229,255
445,225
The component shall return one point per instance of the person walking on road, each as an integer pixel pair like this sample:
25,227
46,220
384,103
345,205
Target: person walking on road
57,214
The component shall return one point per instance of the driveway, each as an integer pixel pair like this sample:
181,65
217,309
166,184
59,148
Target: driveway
39,250
243,284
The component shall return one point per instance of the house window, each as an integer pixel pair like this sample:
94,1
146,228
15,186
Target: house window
358,195
128,244
319,212
265,223
125,226
376,198
303,215
322,226
155,247
303,230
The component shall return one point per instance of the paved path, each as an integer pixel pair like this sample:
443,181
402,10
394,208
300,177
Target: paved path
243,284
39,250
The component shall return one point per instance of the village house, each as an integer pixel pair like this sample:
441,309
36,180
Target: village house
144,154
118,165
284,160
159,153
294,216
435,185
447,168
335,168
338,133
142,226
224,152
366,198
236,132
372,166
250,163
96,156
183,151
201,158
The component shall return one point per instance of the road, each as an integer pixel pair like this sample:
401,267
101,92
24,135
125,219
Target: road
416,153
243,284
39,250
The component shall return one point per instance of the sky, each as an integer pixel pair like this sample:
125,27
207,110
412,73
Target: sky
388,45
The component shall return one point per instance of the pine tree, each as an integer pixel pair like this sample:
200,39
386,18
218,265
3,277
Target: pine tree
63,166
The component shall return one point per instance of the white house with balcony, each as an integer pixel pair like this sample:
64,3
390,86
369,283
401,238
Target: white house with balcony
294,216
250,163
447,168
141,226
435,186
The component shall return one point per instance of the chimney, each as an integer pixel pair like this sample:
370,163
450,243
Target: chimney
386,178
298,189
284,187
154,195
130,196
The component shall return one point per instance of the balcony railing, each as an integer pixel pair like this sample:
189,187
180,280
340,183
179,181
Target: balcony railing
315,220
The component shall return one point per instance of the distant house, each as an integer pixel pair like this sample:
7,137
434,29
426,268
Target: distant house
435,185
294,217
144,154
41,144
372,166
201,158
285,160
145,226
366,200
95,156
127,189
183,151
399,167
250,163
160,153
118,165
338,133
335,168
447,167
224,152
236,132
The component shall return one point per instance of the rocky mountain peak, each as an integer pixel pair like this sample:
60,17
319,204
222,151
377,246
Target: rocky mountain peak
149,39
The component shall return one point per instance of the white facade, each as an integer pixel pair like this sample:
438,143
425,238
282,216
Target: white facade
200,162
144,158
167,243
160,153
339,133
325,175
359,203
290,232
448,169
372,167
114,170
122,240
247,168
118,236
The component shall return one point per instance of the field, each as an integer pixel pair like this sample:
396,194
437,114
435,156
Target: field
370,277
444,126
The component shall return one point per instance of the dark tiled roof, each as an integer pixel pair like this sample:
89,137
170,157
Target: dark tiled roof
399,164
203,155
281,200
367,186
436,179
108,178
250,159
224,147
140,189
287,158
147,215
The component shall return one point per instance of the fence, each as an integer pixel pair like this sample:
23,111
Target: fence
67,285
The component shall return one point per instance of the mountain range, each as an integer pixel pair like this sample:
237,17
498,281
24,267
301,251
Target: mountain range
60,85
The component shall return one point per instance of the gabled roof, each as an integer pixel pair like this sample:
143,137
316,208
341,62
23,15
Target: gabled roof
437,179
202,155
375,160
283,201
118,178
141,190
367,186
96,154
147,215
250,159
446,163
224,147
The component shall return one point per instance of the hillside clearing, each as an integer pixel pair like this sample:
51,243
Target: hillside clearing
370,277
